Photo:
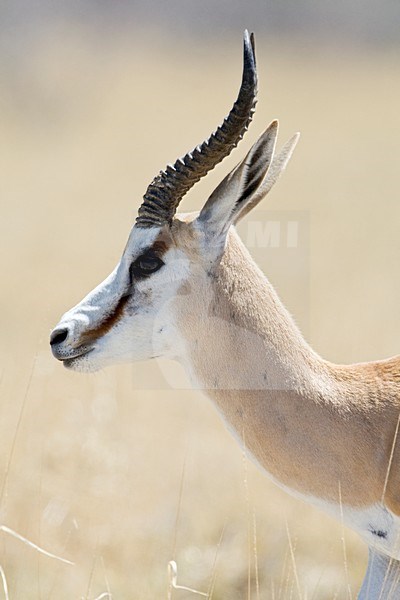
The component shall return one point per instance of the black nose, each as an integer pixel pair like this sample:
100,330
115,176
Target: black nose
58,336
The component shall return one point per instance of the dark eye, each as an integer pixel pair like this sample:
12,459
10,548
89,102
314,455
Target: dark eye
145,265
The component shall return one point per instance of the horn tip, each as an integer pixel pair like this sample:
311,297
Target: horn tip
253,42
249,56
249,41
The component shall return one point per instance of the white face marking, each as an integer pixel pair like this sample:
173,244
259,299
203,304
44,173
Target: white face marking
144,328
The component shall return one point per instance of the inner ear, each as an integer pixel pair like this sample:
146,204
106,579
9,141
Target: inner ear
255,167
238,187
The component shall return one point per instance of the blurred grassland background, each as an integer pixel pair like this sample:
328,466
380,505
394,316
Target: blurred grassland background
93,102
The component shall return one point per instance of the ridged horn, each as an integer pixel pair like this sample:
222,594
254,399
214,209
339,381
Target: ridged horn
168,188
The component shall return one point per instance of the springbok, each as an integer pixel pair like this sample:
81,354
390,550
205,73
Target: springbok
187,288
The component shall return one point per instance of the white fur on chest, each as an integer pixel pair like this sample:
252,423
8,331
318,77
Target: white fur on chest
378,526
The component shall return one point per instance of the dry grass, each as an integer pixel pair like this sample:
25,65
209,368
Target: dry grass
92,465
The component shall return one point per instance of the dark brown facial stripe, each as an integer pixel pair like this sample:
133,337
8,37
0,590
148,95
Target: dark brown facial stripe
159,247
93,334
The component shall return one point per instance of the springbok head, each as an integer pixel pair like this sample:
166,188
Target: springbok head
169,258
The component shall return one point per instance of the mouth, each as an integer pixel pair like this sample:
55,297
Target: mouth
79,362
72,358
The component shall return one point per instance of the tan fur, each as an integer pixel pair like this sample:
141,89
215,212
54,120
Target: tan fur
311,424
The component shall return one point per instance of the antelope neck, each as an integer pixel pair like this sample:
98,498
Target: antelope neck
286,403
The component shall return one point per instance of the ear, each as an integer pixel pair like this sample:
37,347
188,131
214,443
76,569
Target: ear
247,184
